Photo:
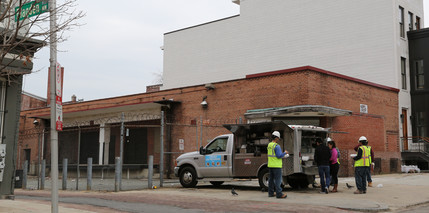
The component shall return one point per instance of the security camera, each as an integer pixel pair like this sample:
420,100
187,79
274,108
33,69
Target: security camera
35,122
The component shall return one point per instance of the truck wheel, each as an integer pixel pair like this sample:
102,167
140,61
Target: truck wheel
188,177
263,176
216,183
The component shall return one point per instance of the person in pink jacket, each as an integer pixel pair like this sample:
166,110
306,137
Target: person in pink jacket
334,164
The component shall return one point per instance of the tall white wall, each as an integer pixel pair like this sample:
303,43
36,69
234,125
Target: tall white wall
355,38
401,46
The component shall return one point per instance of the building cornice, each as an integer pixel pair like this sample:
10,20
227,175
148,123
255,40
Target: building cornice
325,72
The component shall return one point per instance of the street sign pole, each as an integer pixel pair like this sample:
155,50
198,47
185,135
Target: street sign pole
54,133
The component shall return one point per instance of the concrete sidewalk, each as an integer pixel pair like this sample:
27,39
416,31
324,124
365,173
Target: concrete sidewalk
17,206
395,192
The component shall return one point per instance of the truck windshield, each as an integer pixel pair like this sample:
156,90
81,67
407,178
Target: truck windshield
218,145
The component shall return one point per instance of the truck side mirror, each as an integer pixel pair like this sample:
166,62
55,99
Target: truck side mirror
202,151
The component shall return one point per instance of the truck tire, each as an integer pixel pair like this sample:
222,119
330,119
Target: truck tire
263,176
216,183
188,177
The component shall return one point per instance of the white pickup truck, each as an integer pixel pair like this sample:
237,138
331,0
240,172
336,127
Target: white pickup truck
243,154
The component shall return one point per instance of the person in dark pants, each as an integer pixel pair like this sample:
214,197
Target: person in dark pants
368,176
275,164
321,157
334,164
362,165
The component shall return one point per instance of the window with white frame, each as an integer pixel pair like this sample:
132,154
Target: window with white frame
401,22
410,21
404,73
417,23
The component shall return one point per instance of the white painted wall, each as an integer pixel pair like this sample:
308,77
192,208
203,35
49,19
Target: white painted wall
355,38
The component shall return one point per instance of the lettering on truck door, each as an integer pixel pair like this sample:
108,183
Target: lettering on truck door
216,159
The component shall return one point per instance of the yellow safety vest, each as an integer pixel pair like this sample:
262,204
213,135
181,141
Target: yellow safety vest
370,156
338,159
366,157
273,161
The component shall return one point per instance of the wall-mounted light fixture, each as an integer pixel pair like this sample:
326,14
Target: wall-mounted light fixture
209,86
204,104
35,122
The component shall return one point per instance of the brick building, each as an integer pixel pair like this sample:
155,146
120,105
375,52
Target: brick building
363,39
303,95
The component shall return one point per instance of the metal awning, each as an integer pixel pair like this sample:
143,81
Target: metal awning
298,111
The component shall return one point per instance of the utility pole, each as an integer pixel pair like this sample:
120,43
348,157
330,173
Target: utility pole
54,133
161,153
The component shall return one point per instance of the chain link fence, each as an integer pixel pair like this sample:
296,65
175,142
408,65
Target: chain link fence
101,139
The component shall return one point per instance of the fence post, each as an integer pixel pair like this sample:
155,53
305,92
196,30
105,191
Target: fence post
161,153
39,148
150,173
89,175
121,148
42,178
78,160
65,173
117,173
24,175
196,133
201,138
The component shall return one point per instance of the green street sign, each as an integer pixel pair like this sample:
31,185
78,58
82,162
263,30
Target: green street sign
31,9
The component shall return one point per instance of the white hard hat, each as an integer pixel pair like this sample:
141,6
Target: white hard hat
328,139
276,133
362,138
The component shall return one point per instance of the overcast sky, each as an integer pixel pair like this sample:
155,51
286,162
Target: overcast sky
117,52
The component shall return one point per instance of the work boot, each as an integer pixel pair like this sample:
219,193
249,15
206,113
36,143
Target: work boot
283,196
335,188
358,192
369,184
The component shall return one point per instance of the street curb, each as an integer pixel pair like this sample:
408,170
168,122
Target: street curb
381,208
417,204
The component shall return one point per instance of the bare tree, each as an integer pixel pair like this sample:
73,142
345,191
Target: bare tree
24,29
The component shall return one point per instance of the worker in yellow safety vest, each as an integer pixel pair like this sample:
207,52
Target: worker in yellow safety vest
362,165
275,165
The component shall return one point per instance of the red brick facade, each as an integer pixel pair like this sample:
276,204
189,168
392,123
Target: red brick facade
230,100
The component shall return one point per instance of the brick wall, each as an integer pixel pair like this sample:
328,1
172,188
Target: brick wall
29,102
302,86
231,100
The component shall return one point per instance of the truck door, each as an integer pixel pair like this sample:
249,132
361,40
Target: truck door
216,161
